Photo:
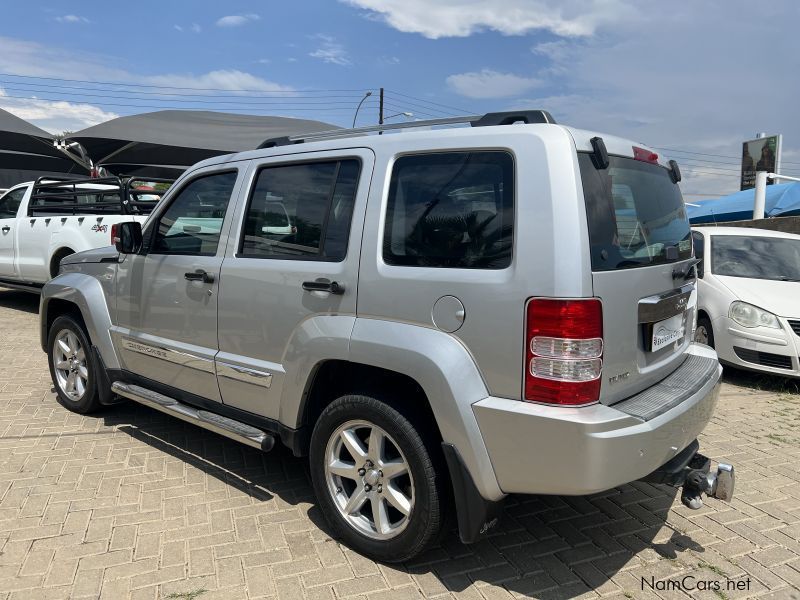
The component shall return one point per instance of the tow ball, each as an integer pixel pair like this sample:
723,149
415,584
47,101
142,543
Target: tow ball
691,471
716,485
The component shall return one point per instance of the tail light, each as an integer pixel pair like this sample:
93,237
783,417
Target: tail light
563,351
114,234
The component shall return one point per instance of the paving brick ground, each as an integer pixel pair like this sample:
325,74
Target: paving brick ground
131,503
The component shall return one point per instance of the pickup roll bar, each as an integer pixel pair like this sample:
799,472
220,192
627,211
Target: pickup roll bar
70,195
487,120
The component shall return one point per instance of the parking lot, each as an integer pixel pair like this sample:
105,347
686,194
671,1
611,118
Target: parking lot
133,503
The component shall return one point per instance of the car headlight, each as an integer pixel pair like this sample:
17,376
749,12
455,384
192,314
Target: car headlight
748,315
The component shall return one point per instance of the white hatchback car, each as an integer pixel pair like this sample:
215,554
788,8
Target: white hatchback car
749,297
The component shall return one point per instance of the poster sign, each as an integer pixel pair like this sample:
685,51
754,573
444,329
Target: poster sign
762,154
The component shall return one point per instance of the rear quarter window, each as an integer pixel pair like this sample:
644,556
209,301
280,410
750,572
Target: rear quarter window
451,210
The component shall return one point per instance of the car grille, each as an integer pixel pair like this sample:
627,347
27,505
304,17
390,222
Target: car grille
795,325
765,359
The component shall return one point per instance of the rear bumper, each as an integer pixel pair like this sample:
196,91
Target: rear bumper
536,449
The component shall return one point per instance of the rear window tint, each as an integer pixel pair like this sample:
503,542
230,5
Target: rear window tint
635,214
451,209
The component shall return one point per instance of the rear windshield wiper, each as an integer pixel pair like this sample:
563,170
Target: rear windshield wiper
785,278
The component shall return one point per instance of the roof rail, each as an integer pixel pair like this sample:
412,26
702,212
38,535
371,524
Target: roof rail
489,119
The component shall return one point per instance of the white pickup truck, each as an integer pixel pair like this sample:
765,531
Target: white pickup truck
41,222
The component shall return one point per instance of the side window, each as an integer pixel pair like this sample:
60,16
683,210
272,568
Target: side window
699,251
451,209
9,204
301,211
193,221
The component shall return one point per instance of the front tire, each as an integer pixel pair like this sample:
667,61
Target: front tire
72,366
375,480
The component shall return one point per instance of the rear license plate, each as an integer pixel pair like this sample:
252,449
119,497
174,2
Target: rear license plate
667,331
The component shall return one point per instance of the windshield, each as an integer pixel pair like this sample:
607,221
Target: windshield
772,258
635,214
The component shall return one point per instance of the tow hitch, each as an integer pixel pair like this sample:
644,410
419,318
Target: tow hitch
691,471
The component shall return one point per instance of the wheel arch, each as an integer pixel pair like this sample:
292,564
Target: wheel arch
55,259
83,297
433,365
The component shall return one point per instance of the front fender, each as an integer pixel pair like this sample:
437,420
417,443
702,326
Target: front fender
446,372
86,293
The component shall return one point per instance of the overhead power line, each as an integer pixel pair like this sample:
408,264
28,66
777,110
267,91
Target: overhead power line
171,87
34,87
461,110
242,100
161,107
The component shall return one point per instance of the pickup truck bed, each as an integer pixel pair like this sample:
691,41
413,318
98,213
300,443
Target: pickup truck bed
41,222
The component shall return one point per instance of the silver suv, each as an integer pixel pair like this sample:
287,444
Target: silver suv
433,316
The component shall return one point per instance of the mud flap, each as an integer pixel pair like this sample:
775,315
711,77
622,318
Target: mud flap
106,397
476,515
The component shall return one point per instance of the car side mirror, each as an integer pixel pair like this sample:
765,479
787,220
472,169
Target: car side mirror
699,268
127,237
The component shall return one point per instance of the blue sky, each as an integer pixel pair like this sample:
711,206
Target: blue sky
688,76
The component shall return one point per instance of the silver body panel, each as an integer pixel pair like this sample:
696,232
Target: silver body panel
254,338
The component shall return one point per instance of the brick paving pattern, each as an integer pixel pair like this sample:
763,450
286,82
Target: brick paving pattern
131,503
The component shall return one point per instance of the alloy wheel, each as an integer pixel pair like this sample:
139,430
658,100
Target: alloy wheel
701,335
69,364
369,479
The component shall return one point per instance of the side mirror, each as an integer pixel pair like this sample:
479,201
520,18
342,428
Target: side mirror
127,237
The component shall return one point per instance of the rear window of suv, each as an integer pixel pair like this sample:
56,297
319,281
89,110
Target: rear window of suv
451,210
635,214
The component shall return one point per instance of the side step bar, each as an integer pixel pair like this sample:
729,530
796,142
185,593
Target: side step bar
234,430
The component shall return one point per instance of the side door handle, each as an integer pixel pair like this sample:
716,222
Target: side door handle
6,228
199,275
332,287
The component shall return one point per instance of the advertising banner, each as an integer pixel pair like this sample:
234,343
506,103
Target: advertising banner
762,154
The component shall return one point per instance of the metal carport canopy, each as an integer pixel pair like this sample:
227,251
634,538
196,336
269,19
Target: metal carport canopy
27,151
166,142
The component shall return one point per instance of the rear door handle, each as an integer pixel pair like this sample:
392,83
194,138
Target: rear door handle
332,287
199,275
6,228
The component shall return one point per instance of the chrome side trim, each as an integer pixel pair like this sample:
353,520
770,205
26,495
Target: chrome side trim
244,374
177,357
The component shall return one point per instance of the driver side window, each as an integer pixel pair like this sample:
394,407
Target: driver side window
9,204
193,221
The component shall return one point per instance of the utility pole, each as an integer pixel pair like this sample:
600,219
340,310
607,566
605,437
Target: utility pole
380,111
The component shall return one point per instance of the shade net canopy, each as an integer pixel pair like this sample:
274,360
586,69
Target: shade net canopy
27,152
783,200
165,143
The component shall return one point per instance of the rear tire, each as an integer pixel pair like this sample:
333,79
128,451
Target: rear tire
72,365
704,334
375,480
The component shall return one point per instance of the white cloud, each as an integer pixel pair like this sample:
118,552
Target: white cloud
72,19
331,51
229,80
491,84
237,20
19,57
461,18
194,28
55,117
